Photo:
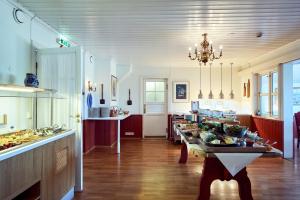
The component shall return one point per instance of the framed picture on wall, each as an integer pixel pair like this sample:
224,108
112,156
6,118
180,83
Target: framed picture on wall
181,92
114,81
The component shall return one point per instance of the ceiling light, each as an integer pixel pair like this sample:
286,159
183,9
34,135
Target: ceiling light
231,95
210,95
206,53
200,95
221,95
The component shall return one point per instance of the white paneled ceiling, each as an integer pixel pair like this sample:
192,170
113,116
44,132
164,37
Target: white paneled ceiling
159,32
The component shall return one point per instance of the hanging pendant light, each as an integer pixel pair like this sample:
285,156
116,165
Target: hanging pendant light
231,92
210,96
200,95
221,95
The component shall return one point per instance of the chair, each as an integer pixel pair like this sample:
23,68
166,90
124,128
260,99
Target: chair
297,119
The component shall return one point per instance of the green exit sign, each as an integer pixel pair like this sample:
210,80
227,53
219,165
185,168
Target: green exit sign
63,42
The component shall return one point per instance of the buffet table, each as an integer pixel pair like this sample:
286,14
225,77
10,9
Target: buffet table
42,168
118,119
224,163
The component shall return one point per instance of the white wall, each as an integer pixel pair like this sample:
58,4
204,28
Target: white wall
133,81
99,72
15,61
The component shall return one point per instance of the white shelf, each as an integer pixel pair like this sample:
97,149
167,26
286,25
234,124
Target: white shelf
20,88
18,91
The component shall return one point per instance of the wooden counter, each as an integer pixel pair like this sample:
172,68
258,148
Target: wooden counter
45,171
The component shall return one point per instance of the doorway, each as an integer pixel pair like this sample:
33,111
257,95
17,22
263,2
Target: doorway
155,107
61,69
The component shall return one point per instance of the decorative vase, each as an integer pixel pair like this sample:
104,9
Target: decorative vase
31,80
89,100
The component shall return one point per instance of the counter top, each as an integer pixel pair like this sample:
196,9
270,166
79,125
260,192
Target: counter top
120,117
13,151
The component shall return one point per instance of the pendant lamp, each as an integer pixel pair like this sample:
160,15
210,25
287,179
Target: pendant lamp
200,95
210,96
221,95
231,92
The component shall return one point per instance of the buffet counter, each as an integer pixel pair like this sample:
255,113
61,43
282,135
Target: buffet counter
13,151
37,165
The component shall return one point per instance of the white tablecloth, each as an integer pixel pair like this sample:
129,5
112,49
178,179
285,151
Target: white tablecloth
235,162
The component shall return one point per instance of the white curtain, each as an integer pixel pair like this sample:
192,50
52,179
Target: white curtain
58,72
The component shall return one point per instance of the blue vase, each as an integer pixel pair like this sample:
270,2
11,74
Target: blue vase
89,100
31,80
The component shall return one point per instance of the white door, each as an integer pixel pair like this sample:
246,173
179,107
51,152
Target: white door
61,69
155,95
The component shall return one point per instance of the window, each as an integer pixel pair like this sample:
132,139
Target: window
155,92
268,94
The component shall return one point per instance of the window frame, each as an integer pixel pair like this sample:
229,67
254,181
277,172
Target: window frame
270,93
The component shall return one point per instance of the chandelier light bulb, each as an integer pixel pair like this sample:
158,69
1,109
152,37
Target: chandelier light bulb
190,49
221,47
211,42
196,44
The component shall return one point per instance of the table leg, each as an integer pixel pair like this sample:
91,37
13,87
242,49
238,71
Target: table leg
244,185
118,138
213,169
184,154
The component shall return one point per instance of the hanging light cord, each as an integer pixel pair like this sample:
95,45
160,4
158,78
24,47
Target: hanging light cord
210,75
231,74
200,75
221,76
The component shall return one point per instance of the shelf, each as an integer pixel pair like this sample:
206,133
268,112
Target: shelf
19,88
17,91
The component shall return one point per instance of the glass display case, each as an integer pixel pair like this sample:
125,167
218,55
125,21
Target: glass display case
23,107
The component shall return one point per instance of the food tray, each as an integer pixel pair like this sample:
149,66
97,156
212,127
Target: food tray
221,145
230,149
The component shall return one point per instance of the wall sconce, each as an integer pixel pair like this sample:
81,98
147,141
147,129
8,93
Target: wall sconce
91,87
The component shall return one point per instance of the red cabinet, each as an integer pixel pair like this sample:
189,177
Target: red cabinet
88,135
132,127
104,132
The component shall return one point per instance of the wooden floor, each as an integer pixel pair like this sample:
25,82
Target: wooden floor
149,169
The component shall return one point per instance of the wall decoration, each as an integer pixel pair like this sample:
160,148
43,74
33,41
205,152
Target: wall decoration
129,101
89,100
181,91
102,100
245,90
114,81
248,88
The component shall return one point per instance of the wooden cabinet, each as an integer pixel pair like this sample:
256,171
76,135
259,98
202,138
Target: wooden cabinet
58,174
133,125
88,135
19,173
50,167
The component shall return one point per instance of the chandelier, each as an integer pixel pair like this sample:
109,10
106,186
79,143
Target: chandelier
206,53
